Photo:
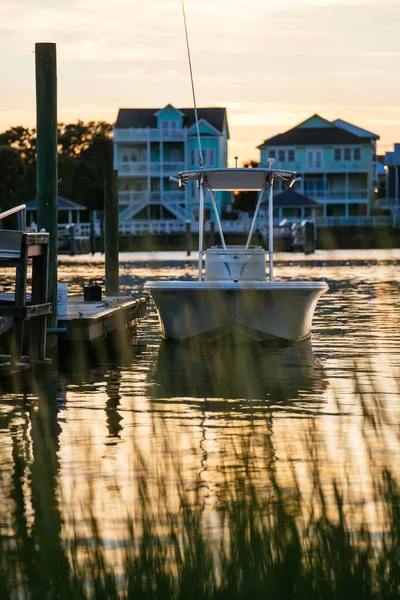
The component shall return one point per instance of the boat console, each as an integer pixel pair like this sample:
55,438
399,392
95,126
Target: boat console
235,263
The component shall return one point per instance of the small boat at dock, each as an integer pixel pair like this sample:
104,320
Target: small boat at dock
235,296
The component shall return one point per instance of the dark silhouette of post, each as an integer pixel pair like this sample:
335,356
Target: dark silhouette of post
46,128
188,237
111,231
71,235
92,232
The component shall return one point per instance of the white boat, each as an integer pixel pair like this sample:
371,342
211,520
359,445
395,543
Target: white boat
235,295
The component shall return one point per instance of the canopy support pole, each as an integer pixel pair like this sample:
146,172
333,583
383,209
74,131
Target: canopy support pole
221,233
201,230
271,228
253,223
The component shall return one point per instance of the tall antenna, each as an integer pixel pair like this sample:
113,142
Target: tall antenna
193,92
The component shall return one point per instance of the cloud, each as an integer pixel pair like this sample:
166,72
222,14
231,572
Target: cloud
358,73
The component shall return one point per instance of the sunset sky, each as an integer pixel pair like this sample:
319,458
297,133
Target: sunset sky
271,63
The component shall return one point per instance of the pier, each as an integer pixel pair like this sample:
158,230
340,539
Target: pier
89,321
35,317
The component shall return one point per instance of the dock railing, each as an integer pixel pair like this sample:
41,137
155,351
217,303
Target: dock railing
21,213
171,226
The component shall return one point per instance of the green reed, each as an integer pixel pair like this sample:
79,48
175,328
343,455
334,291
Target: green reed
263,541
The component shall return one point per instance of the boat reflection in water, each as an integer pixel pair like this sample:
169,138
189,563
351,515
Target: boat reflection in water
247,371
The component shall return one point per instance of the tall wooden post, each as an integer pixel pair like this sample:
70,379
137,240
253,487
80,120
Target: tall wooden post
188,237
111,232
92,231
46,127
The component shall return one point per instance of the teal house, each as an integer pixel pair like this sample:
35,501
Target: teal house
151,146
336,161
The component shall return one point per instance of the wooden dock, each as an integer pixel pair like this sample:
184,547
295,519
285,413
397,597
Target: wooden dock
89,321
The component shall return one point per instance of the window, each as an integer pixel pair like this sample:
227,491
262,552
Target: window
314,159
291,156
357,153
176,156
337,154
272,154
211,157
281,156
193,157
169,126
347,154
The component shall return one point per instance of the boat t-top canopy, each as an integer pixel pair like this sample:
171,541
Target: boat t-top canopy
237,179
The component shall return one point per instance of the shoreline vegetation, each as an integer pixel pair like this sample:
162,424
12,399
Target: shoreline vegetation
299,532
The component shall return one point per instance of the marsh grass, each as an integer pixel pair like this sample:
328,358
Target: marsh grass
262,539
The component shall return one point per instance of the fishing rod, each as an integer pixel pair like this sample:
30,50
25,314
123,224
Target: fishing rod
202,165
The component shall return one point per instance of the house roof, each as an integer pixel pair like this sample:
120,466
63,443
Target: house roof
292,199
140,118
62,204
354,129
327,133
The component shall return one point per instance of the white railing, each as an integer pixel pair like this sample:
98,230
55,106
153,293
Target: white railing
377,221
159,226
331,167
144,226
154,197
336,194
81,229
392,203
142,168
142,135
129,168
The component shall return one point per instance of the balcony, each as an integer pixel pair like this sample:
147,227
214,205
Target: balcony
325,167
149,135
154,168
151,197
335,195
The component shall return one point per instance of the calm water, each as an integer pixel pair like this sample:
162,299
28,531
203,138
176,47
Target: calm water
200,405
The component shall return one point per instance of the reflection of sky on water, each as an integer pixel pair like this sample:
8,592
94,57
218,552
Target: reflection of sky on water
199,403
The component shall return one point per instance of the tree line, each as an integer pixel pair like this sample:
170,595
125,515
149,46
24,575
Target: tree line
85,150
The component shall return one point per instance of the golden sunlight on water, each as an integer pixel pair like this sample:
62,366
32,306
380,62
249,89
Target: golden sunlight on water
210,407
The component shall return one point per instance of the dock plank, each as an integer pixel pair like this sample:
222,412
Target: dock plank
92,320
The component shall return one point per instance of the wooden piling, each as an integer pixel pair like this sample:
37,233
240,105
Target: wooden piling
46,128
111,232
188,238
71,234
92,231
309,237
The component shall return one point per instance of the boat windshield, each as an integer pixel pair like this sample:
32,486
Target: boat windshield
237,179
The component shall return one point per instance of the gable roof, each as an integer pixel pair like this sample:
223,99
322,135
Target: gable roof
354,129
304,135
140,118
169,106
62,204
292,199
315,121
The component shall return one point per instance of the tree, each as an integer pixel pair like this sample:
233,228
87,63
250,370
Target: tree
11,174
85,150
22,139
75,138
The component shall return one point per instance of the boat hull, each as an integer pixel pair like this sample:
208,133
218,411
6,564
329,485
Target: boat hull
242,311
